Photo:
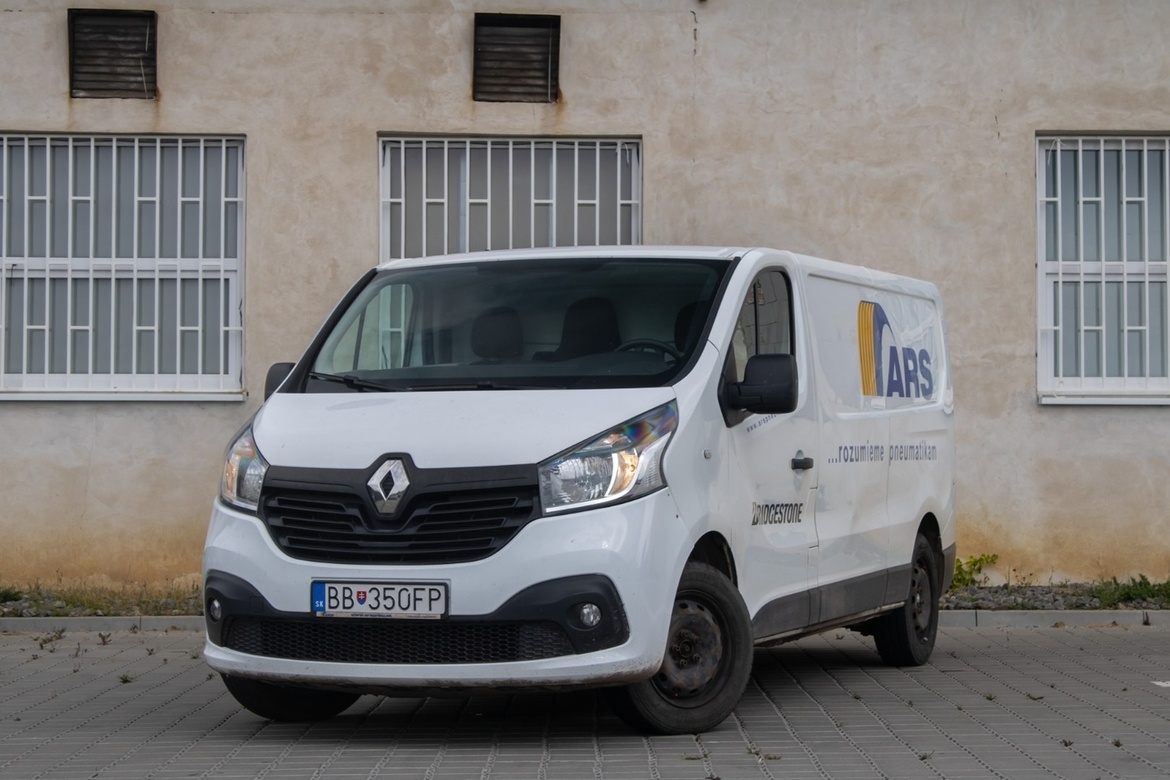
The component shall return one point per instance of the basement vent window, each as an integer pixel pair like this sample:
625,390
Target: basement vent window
516,58
113,54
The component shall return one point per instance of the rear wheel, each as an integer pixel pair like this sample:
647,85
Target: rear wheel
707,663
287,703
905,637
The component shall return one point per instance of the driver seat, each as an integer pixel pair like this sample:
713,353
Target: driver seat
590,326
497,334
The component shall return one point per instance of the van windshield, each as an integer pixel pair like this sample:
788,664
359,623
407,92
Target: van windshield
577,323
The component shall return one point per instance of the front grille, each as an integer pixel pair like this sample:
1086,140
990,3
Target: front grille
387,641
433,528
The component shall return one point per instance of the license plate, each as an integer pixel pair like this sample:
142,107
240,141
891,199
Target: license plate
379,599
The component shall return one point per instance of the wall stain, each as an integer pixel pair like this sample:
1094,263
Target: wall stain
102,557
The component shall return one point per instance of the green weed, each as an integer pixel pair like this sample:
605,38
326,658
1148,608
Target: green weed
970,571
1112,592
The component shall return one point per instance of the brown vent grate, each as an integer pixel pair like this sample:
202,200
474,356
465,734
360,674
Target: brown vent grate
516,58
113,54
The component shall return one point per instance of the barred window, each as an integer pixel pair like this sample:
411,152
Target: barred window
122,267
1102,270
442,195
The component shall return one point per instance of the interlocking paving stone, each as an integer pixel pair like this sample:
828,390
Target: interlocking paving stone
994,702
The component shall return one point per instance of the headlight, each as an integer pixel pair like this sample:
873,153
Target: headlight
619,464
243,473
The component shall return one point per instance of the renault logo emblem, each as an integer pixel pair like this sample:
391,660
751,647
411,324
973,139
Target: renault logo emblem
388,485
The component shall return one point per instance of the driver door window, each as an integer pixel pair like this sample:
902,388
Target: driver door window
765,321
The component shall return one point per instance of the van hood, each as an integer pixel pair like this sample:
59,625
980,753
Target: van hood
440,429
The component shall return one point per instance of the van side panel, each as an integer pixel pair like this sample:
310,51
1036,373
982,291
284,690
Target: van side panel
921,448
887,431
851,520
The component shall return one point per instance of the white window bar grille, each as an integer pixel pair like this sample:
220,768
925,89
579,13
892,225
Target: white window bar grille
442,195
122,267
1103,215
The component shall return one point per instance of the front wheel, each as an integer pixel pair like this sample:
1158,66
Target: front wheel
287,703
707,663
905,637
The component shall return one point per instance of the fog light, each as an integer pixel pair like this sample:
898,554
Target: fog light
589,615
214,609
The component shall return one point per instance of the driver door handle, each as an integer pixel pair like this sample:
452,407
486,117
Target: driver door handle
802,464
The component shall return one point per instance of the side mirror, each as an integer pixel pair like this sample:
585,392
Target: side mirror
277,373
769,385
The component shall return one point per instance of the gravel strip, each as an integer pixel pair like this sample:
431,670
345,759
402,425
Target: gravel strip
1050,597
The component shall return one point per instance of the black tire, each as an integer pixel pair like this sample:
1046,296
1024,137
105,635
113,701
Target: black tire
707,664
287,703
905,637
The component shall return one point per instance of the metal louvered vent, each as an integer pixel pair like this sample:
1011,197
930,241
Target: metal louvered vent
113,54
516,58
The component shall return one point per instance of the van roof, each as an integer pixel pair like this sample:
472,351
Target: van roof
553,253
810,264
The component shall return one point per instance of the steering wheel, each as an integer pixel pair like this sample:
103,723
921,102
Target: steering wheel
650,345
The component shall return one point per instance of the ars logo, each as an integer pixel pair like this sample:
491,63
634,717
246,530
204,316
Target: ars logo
888,369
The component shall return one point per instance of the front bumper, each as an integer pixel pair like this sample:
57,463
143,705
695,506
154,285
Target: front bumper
513,619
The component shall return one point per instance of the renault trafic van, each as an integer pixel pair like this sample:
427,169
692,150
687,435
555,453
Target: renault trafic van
613,467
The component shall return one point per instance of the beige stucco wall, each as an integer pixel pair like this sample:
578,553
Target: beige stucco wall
896,134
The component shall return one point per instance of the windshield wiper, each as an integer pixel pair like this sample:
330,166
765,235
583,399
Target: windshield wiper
483,384
352,382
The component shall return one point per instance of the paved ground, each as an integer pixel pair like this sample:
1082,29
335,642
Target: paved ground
997,702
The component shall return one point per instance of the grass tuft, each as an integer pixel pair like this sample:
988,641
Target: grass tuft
1112,592
83,600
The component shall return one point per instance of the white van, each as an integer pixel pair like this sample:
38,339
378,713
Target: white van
611,467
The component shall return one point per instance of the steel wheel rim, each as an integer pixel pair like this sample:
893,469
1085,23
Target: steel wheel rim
921,603
695,648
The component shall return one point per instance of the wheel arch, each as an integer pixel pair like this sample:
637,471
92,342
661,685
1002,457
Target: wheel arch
929,528
713,550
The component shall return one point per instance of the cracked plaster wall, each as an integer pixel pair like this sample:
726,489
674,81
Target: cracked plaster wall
897,134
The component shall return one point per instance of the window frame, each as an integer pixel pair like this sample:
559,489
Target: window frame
88,242
458,207
1063,270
